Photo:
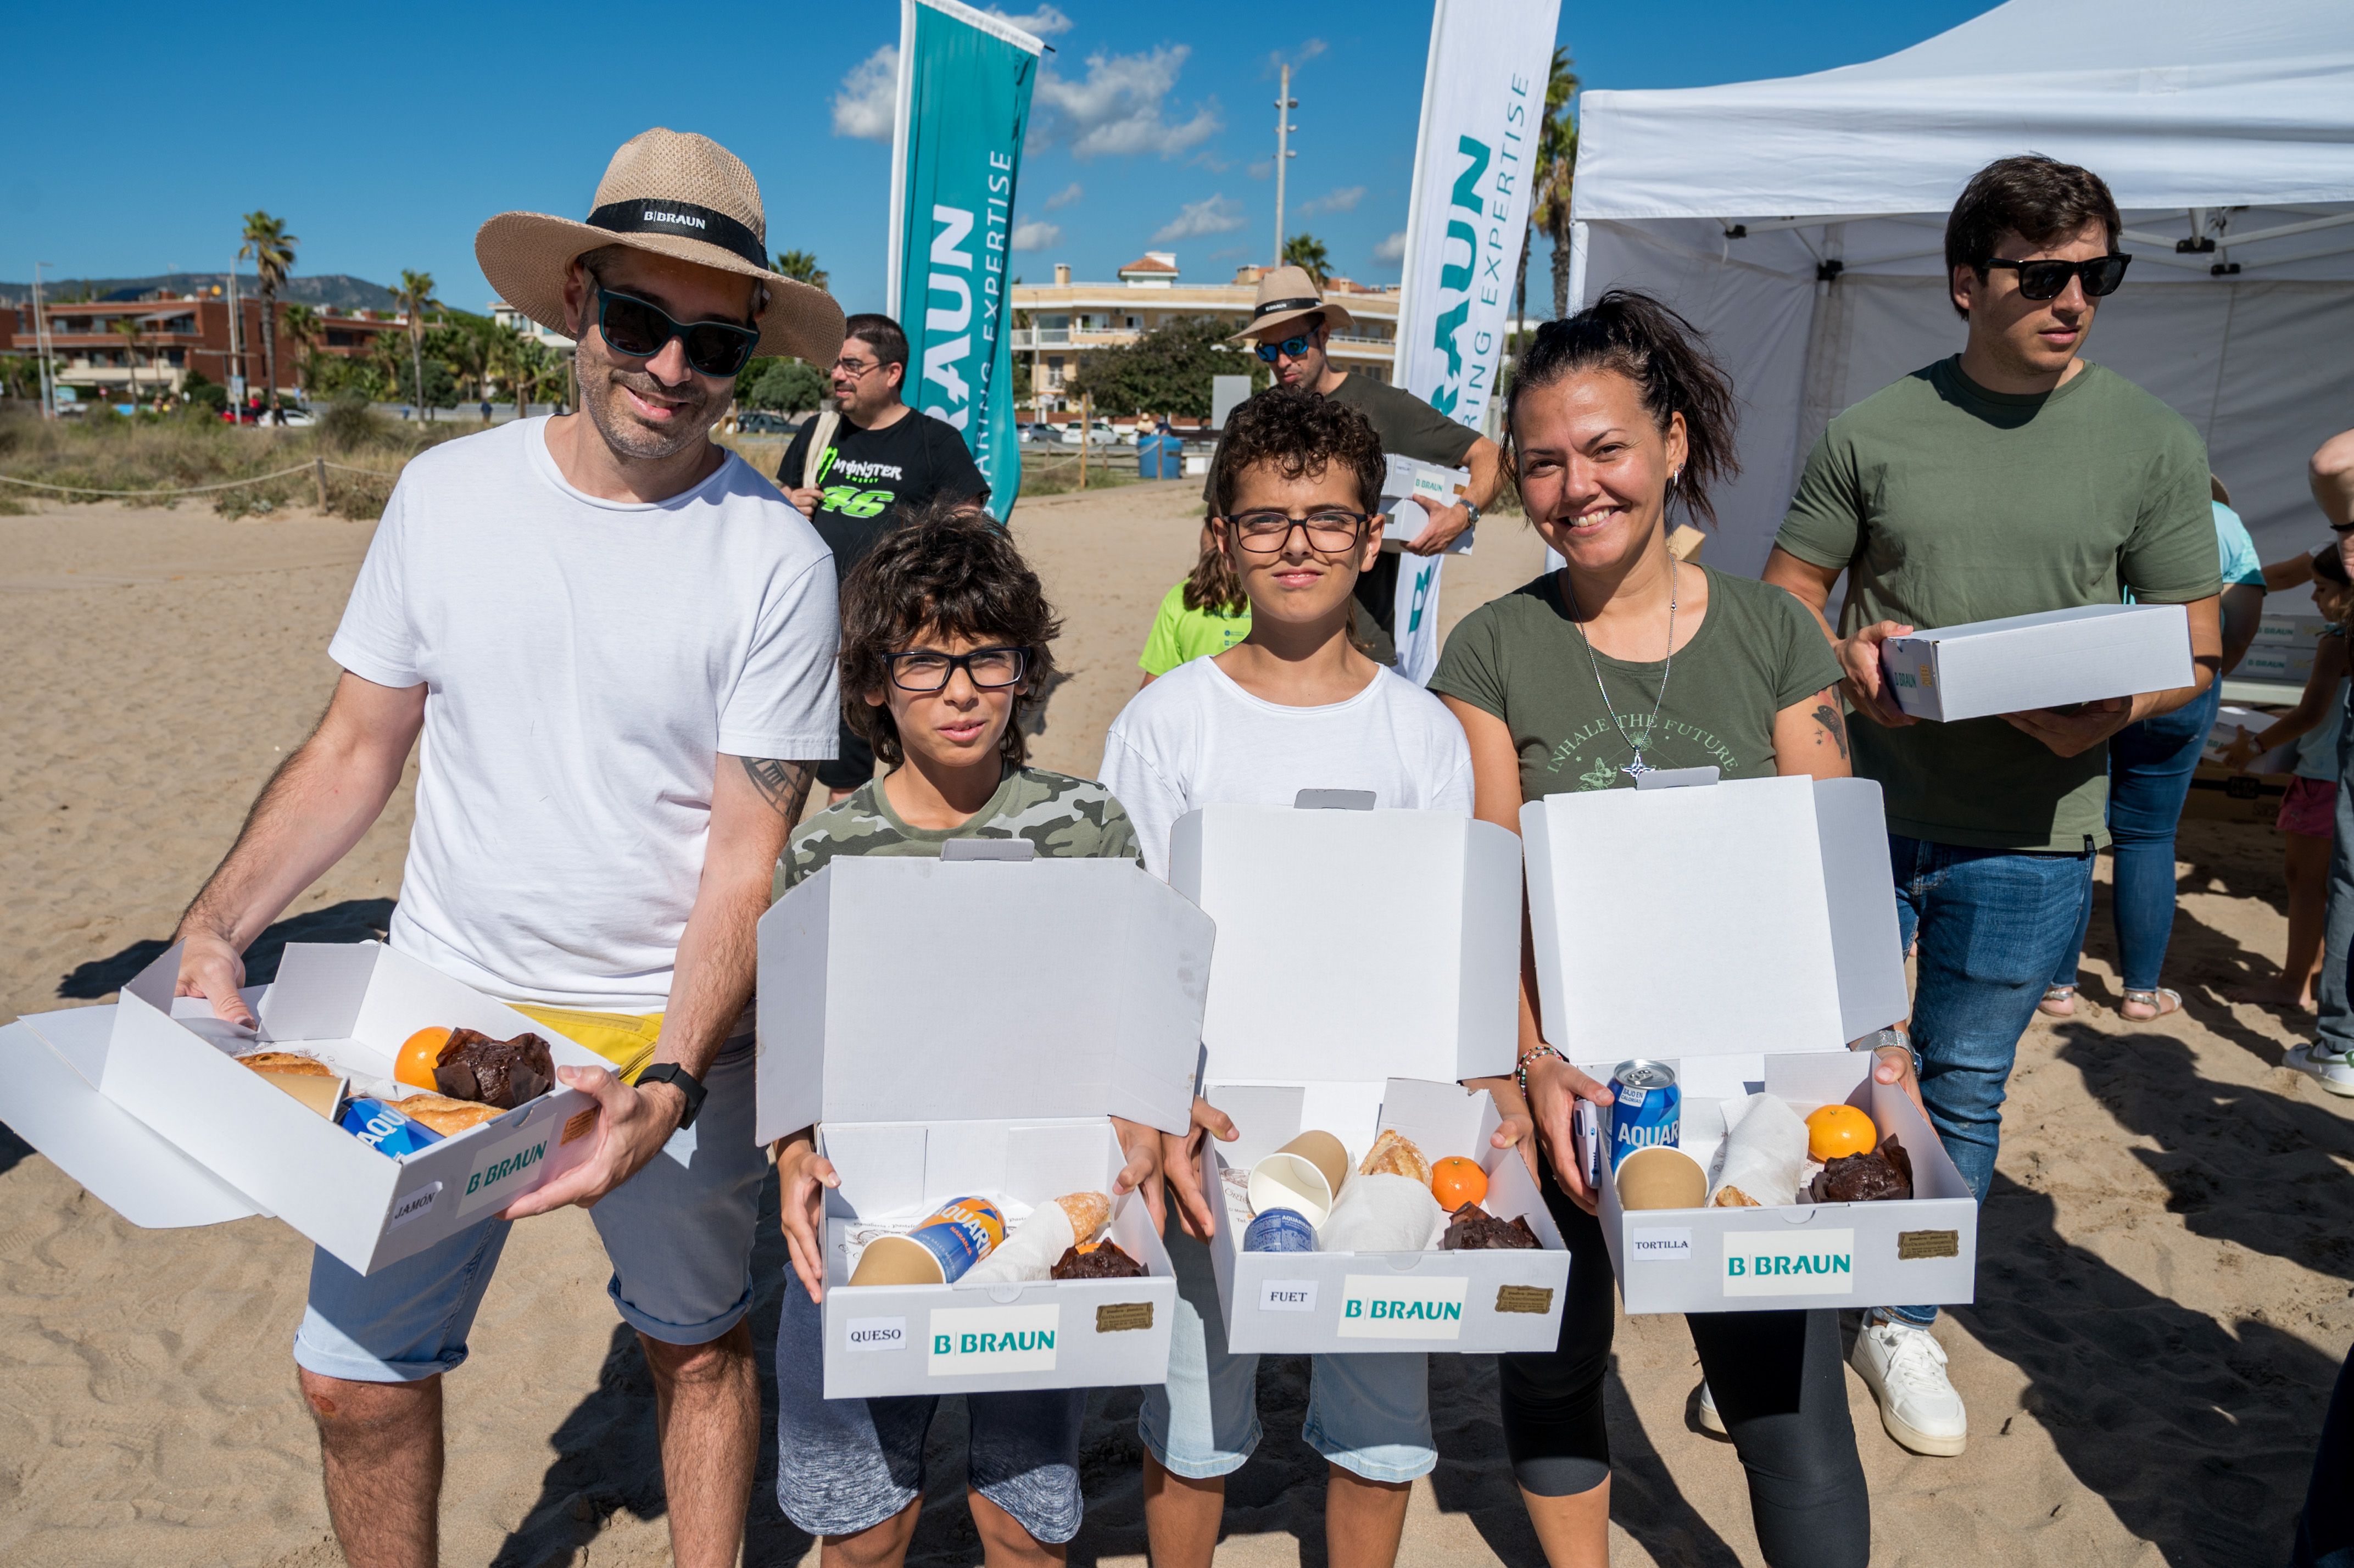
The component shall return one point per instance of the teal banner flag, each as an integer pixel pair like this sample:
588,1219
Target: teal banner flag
965,79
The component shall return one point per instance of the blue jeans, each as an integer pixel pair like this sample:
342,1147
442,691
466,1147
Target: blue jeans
2150,763
1991,926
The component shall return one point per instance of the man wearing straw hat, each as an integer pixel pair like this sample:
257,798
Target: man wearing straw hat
1290,323
619,640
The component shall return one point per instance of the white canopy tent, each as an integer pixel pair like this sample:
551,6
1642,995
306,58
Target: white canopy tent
1800,222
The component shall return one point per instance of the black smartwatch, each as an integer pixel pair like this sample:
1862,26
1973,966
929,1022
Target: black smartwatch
682,1080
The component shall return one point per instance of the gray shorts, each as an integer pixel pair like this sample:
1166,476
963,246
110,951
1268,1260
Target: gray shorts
844,1465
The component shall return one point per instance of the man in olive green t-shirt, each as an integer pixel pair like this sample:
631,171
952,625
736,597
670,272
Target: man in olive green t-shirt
2013,478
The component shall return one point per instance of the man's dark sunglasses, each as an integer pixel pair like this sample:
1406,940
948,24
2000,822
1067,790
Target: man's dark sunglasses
642,330
2045,279
989,669
1290,348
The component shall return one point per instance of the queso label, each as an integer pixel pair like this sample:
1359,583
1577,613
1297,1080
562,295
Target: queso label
1401,1306
502,1172
1788,1262
972,1341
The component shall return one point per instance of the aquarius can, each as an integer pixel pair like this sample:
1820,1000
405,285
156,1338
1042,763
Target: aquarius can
1647,1108
948,1240
376,1124
1279,1230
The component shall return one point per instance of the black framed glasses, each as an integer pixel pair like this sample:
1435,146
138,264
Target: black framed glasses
2045,279
991,669
643,329
1290,348
1328,528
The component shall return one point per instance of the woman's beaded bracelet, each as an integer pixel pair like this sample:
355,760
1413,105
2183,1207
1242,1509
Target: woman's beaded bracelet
1520,1073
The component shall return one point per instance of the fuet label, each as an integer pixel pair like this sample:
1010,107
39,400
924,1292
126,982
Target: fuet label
1665,1246
503,1171
974,1342
877,1334
1401,1306
1287,1296
1789,1262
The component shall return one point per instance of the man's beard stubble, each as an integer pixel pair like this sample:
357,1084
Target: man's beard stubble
601,396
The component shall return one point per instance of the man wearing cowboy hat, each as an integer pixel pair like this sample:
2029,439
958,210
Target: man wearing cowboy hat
619,642
1289,324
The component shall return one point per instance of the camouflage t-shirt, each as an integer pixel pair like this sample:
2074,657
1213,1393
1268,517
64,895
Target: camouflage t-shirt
1062,815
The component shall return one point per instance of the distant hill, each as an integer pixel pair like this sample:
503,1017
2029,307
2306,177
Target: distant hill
337,289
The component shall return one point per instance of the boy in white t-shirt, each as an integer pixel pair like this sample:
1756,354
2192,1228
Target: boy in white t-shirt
1296,706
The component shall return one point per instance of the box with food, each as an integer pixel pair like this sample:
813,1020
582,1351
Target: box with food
1750,1160
2221,794
379,1108
1402,480
960,1031
2049,660
1362,1208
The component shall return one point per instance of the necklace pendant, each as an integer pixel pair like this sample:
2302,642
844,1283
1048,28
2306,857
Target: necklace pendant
1638,767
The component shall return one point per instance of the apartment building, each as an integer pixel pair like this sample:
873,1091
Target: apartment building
177,335
1065,322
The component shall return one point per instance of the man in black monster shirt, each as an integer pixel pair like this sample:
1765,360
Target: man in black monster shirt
879,456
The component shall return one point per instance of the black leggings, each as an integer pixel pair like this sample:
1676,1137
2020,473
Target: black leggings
1777,1381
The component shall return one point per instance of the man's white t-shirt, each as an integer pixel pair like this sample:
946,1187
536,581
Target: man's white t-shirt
585,662
1195,738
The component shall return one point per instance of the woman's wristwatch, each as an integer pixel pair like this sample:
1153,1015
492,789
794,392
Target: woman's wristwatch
1886,1039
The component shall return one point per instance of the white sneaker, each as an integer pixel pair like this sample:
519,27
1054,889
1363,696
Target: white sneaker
2333,1070
1904,1367
1709,1419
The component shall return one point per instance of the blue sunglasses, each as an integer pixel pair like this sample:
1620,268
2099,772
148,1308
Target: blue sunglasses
1290,348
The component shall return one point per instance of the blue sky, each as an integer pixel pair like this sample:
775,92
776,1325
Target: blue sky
384,138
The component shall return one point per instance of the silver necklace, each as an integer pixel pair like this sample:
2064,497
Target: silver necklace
1637,768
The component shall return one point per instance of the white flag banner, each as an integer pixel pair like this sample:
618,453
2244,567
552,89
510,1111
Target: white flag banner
1483,98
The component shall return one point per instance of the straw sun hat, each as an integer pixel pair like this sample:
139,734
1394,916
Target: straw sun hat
673,194
1287,296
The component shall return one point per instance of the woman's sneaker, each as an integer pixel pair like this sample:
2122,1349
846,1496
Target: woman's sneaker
1904,1367
2333,1070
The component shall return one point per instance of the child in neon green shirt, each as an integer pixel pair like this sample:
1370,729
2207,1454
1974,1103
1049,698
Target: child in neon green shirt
1204,614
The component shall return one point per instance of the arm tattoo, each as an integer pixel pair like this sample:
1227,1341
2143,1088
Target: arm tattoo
1829,717
784,785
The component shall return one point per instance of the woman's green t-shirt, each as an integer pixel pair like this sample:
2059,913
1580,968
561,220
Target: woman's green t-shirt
1522,659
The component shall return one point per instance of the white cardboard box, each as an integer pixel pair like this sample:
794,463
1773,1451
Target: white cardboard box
2043,661
1406,478
2282,651
1743,932
1367,961
163,1069
962,1027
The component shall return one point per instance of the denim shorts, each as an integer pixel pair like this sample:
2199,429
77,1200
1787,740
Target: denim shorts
679,1233
1370,1414
844,1465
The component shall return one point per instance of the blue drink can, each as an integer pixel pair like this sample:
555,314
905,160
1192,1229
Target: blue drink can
1279,1230
385,1130
1648,1111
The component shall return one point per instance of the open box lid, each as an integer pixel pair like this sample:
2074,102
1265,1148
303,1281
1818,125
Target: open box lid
913,989
1354,945
1737,918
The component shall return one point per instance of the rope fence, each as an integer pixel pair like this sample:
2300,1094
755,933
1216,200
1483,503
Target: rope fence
316,468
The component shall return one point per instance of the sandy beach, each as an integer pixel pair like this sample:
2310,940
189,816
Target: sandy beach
2166,1283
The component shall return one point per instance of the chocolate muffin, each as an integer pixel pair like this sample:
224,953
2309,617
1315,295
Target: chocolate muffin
1475,1230
1885,1172
502,1073
1103,1261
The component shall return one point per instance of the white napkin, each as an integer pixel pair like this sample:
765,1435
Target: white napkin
1382,1213
1763,1155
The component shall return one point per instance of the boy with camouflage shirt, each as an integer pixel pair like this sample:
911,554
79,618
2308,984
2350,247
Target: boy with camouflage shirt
945,643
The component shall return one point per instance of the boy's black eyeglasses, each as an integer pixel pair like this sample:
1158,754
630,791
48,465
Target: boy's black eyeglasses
642,330
991,669
2045,279
1328,528
1290,348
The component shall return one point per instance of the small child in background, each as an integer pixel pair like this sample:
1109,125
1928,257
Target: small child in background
2308,812
1205,614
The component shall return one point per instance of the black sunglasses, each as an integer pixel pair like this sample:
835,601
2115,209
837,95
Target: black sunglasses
1290,348
641,329
989,669
2045,279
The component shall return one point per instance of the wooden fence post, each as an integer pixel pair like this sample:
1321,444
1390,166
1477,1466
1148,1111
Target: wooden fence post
319,477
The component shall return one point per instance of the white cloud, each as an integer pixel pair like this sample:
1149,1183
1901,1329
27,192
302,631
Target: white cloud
1121,107
1392,249
1045,22
1261,169
1035,236
1065,196
869,98
1345,199
1216,215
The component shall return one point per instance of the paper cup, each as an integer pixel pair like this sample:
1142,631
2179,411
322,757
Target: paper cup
1303,1175
896,1260
1661,1177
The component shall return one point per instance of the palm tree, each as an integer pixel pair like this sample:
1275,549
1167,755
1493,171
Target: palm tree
272,250
1306,252
128,325
1557,170
302,330
414,297
801,264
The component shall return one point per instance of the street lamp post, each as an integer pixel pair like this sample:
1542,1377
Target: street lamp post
41,346
1284,104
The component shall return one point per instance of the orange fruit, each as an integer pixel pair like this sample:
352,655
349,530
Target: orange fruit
420,1055
1836,1131
1456,1182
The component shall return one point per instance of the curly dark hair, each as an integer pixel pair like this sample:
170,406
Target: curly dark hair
2041,199
1660,353
948,568
1300,432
